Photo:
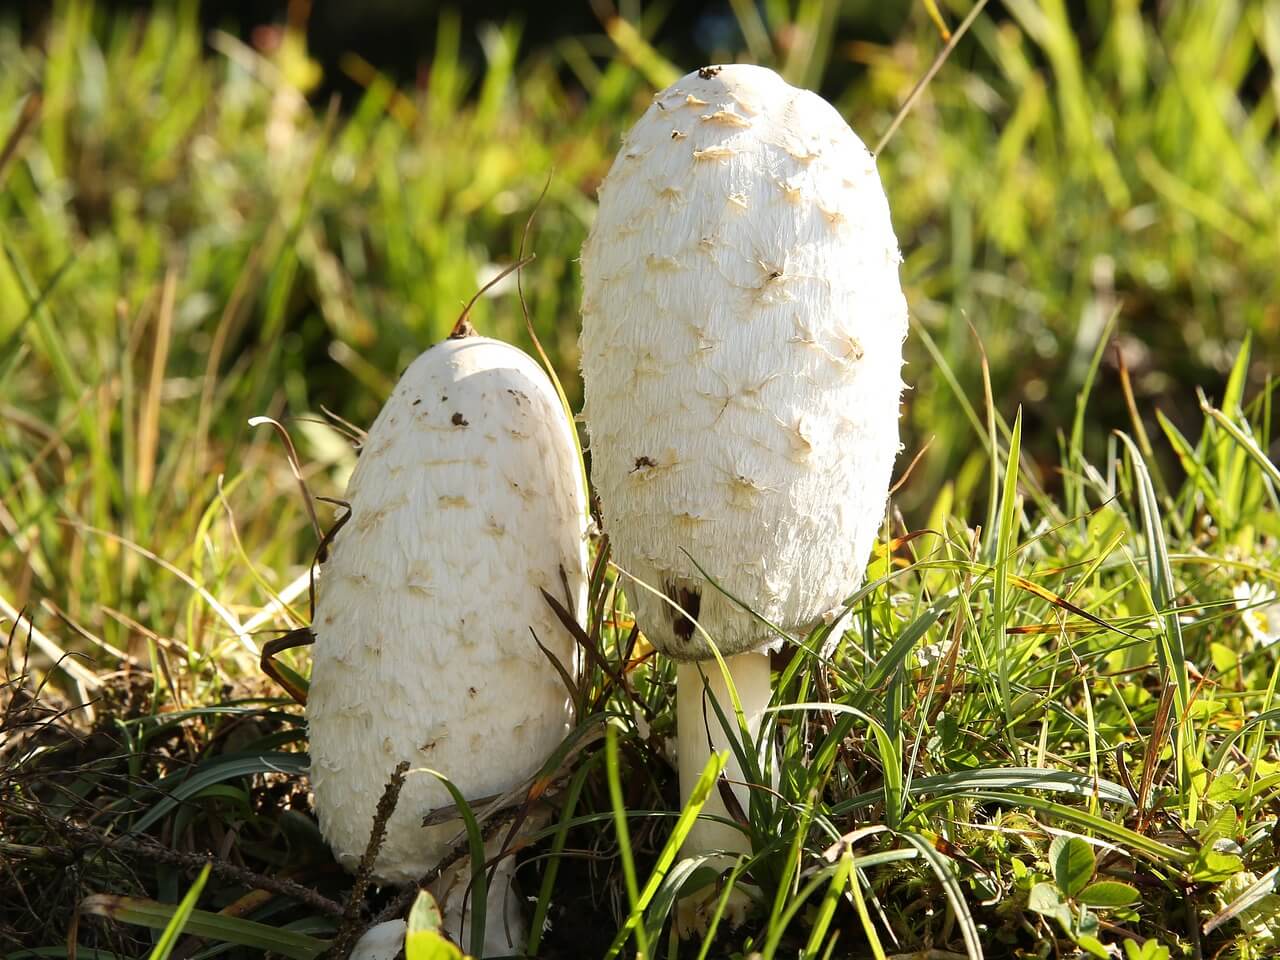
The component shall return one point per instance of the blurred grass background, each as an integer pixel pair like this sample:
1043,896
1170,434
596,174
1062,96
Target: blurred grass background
200,225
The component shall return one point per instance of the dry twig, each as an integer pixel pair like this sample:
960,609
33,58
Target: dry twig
142,847
350,929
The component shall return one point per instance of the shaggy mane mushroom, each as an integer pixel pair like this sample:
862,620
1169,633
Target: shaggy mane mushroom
742,329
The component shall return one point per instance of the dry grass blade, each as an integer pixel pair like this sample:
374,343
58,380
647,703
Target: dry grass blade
87,837
149,416
62,659
26,120
84,634
906,474
301,637
280,603
571,624
923,82
463,327
534,788
292,454
1034,588
352,432
322,553
571,687
1151,755
223,613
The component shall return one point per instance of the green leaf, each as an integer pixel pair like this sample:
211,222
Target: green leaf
423,940
429,945
1004,552
1046,900
903,645
1109,893
1213,866
425,914
1149,950
1173,654
173,930
1073,863
1085,924
887,747
1244,439
1259,890
568,805
1092,945
672,884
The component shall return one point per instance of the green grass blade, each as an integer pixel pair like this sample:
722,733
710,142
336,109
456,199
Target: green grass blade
946,875
635,912
1153,850
478,896
1004,553
218,770
173,929
210,926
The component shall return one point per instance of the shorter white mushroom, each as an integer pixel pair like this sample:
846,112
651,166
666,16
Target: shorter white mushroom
466,503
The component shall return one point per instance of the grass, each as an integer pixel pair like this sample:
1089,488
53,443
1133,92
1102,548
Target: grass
1049,728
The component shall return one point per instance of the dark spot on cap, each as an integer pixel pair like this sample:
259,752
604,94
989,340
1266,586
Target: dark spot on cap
688,600
706,73
642,462
416,402
444,399
459,420
471,691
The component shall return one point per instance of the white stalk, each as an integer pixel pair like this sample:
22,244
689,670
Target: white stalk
699,733
505,930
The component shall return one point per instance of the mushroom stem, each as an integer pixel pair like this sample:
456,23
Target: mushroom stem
699,733
504,926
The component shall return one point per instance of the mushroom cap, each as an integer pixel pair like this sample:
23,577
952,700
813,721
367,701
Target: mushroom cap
467,498
742,329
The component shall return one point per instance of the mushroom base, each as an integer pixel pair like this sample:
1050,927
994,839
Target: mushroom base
505,928
700,733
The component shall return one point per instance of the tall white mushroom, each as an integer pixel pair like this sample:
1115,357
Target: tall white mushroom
742,329
466,501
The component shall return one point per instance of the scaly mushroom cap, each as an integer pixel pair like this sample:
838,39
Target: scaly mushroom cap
742,328
466,500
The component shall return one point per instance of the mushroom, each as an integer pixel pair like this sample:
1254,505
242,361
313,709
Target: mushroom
382,941
467,501
742,330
